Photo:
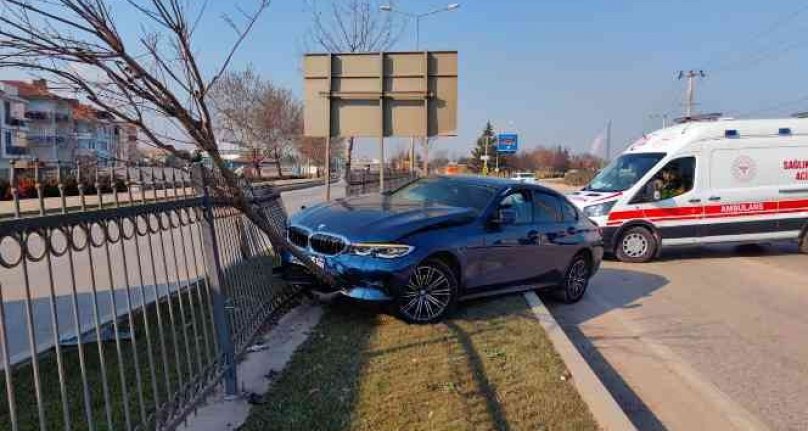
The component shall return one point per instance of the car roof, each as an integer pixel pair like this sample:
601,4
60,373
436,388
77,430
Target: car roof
500,183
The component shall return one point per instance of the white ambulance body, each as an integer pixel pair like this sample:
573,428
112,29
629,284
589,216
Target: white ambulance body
704,182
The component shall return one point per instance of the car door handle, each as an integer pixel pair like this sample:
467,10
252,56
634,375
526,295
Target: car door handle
571,230
715,198
694,201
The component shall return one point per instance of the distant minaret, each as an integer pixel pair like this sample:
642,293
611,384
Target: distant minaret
691,89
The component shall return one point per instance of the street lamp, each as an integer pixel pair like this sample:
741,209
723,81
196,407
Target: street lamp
448,8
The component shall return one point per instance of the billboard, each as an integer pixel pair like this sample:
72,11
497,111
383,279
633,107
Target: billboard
507,143
380,94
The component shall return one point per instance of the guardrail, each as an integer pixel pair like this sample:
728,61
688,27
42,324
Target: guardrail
361,181
124,311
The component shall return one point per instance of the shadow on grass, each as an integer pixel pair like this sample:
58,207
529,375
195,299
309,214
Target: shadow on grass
487,367
480,378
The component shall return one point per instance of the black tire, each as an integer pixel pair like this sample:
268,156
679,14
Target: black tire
636,245
804,242
576,280
430,294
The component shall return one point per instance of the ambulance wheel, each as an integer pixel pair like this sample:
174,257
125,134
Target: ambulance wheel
636,245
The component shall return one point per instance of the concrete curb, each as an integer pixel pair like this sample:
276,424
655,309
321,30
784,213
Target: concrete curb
603,406
270,356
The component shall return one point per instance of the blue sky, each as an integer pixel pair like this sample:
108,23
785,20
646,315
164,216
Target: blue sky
557,71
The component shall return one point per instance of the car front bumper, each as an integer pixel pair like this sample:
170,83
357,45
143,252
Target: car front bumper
360,277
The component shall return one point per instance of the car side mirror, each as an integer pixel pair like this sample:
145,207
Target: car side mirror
504,216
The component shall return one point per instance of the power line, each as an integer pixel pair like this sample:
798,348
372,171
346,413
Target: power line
715,61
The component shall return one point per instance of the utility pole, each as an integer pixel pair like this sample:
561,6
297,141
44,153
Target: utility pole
609,140
485,157
691,76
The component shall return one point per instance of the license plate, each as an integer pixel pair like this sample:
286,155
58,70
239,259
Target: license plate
318,260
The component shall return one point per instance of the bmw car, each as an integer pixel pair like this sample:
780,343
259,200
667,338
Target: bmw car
439,240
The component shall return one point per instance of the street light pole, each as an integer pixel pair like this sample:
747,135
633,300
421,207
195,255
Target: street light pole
417,16
389,8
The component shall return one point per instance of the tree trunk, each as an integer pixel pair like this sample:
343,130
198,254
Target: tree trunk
278,164
348,155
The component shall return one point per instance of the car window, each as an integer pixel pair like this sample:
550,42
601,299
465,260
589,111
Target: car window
674,179
545,208
444,191
568,212
519,202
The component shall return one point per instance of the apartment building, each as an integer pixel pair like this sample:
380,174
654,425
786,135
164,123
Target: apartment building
61,130
13,127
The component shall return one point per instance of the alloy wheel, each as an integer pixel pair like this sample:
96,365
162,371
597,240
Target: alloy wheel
427,294
577,278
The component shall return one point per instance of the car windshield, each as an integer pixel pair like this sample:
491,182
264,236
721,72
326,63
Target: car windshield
445,191
624,172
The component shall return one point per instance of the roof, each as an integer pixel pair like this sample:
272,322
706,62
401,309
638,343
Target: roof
36,89
674,138
494,182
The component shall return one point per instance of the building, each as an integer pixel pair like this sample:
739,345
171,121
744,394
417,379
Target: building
97,135
50,121
62,130
13,128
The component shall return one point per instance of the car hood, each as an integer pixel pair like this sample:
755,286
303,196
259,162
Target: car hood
584,198
376,218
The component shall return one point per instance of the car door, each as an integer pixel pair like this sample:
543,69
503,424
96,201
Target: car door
672,202
556,239
505,258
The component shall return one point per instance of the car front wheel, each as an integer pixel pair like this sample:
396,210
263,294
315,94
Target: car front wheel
576,280
430,293
636,245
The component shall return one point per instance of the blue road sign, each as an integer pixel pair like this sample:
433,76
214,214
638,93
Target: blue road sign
507,142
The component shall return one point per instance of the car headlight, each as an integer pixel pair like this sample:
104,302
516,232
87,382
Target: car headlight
382,250
599,209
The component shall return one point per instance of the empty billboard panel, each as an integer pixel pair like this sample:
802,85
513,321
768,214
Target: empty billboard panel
381,94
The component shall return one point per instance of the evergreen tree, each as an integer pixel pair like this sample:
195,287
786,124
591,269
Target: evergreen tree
486,138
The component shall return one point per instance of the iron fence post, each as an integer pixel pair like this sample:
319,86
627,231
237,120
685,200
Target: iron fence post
216,284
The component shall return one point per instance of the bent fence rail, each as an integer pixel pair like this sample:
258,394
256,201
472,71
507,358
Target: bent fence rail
123,310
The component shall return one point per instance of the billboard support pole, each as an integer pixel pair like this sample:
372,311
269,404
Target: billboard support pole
381,122
328,133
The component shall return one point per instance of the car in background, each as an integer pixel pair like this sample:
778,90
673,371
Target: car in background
438,240
524,177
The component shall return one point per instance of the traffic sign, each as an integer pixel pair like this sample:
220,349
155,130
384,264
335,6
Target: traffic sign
507,142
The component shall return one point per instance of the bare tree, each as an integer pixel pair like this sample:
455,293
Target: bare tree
258,116
313,149
152,80
352,26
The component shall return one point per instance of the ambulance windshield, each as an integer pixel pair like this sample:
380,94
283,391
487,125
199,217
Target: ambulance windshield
623,172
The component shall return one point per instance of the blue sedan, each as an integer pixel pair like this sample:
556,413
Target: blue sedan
439,240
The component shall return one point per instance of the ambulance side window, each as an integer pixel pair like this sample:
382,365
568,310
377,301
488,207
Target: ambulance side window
674,179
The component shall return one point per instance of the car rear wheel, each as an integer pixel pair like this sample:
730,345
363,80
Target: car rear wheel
804,242
576,280
430,293
636,245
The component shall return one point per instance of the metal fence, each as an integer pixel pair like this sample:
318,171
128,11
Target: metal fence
122,310
362,181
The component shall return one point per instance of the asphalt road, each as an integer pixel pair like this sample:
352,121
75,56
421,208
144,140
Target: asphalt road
705,338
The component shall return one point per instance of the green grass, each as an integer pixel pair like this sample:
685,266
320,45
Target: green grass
488,367
252,275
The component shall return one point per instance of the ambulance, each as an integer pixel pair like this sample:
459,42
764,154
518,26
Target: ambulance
720,181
